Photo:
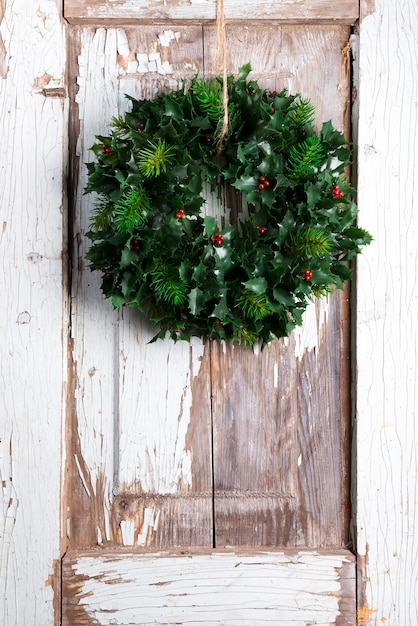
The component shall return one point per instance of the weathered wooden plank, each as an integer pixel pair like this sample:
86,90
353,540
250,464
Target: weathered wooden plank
220,588
141,422
278,442
91,452
280,416
32,217
344,11
387,313
306,59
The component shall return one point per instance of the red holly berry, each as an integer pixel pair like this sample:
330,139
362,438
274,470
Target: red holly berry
307,274
207,140
263,182
135,245
107,276
106,149
261,229
218,323
181,214
336,192
141,127
272,109
217,240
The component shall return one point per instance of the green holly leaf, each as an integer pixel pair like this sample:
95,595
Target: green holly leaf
258,285
332,137
313,195
283,297
221,310
118,300
197,301
210,225
246,183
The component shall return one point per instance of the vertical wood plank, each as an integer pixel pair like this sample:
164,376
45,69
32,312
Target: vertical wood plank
387,312
141,456
91,453
280,417
32,130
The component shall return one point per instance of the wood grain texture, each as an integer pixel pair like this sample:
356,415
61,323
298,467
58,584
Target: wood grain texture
32,130
387,312
218,589
281,416
308,11
141,421
141,430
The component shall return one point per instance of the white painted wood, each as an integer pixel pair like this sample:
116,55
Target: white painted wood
155,406
32,131
76,11
94,324
32,134
218,589
387,313
133,399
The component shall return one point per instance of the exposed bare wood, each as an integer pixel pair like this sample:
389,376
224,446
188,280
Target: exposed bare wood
281,420
142,415
221,588
128,11
140,455
301,59
278,445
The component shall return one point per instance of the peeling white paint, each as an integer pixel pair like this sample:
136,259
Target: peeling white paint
223,588
122,42
307,336
82,476
94,319
8,512
150,522
165,38
275,375
127,528
152,63
32,131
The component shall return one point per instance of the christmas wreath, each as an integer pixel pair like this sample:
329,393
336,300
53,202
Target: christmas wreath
246,281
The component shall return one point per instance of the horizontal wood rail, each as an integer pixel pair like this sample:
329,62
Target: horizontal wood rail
192,11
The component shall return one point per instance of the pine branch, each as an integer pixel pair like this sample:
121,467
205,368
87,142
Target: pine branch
132,209
209,96
246,337
308,242
305,157
167,283
120,125
155,159
253,305
102,215
302,113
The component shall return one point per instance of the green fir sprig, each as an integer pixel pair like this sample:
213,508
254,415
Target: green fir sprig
131,210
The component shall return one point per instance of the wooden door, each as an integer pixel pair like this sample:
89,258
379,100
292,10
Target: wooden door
204,483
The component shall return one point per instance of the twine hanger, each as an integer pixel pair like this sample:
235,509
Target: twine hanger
220,61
